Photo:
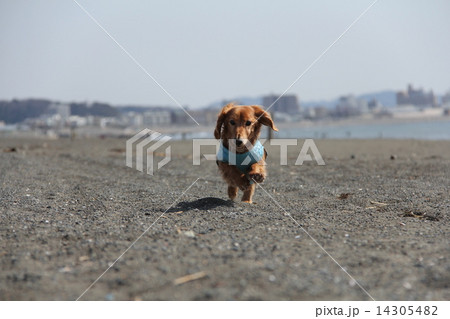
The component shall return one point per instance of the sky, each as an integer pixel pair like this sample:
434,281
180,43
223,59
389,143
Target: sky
206,51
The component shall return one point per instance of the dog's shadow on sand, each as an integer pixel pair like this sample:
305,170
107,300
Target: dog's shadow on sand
201,204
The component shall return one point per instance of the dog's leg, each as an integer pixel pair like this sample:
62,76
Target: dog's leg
248,194
258,172
232,192
233,177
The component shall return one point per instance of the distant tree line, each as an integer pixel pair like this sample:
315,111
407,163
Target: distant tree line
95,109
16,111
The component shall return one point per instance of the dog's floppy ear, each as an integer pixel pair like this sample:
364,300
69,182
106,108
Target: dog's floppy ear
221,119
264,117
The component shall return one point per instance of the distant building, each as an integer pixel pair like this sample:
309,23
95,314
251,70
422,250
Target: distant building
374,104
157,118
133,119
179,116
446,99
56,115
77,121
316,112
285,104
351,106
321,112
63,110
417,97
205,116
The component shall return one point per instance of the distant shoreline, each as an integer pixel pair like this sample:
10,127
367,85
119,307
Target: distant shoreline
206,131
361,121
307,123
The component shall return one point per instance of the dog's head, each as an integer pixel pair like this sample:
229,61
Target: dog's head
241,123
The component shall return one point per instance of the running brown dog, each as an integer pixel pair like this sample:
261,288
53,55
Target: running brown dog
241,157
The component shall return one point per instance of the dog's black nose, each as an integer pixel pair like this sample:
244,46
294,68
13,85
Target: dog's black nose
238,142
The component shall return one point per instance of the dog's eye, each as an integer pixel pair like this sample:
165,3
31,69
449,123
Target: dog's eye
248,123
232,122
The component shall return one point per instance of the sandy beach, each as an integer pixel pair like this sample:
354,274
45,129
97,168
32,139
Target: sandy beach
69,209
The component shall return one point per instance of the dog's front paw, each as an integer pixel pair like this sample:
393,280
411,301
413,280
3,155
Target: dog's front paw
256,177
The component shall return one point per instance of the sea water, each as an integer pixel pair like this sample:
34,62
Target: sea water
421,130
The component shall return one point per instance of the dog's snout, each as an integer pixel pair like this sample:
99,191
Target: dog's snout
238,142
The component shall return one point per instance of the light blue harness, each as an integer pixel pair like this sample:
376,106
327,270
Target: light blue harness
241,161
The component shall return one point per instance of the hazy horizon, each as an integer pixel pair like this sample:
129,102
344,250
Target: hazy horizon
203,52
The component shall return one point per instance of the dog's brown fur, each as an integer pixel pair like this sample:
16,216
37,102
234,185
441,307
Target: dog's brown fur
225,130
